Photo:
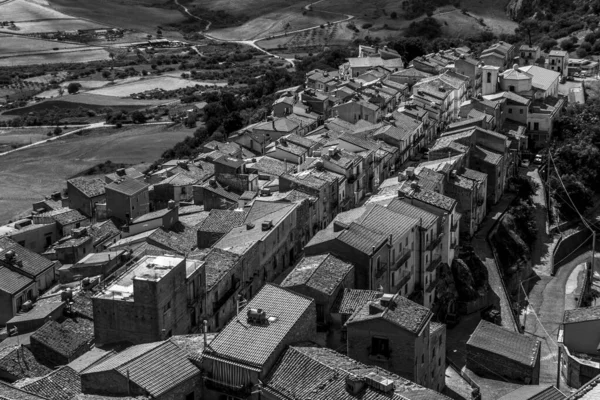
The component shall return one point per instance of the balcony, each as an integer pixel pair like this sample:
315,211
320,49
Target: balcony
379,271
226,296
435,242
434,263
432,285
404,278
193,301
402,258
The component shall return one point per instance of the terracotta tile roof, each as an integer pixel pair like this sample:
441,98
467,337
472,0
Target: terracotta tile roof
129,172
387,222
65,216
12,282
254,344
357,141
194,220
155,367
270,166
362,238
127,186
401,312
535,392
151,215
100,397
66,338
62,384
103,230
181,238
95,355
218,263
306,371
89,187
179,179
474,175
18,361
222,221
220,191
229,148
349,300
33,263
582,314
487,155
423,216
9,392
430,197
324,273
192,345
497,340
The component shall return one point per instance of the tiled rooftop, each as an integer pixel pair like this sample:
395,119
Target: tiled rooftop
181,238
305,371
9,392
387,222
192,345
582,314
324,273
430,197
12,282
33,263
270,166
401,207
350,300
218,263
362,238
65,338
18,361
222,221
535,392
127,186
497,340
253,344
487,155
401,312
93,187
62,384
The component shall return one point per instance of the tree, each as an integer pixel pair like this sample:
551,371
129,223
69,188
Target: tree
61,90
528,27
567,44
57,131
581,52
138,117
73,87
233,122
112,57
394,15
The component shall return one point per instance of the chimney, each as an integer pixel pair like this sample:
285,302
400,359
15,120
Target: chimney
10,256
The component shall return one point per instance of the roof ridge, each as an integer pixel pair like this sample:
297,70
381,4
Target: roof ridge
141,355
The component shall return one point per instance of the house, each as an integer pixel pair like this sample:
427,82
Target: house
35,237
165,218
376,51
356,66
543,81
346,303
214,195
28,264
324,81
60,343
494,351
471,68
499,54
177,188
248,347
393,333
18,362
94,264
358,109
409,76
131,173
535,392
306,371
161,370
322,278
268,168
558,60
63,383
72,248
144,305
529,54
285,150
85,193
15,289
127,199
283,106
217,224
66,219
43,310
583,67
580,330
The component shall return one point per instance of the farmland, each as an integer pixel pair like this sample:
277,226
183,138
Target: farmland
21,136
313,40
126,14
31,174
87,101
124,90
32,17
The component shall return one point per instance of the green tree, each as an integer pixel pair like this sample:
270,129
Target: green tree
73,87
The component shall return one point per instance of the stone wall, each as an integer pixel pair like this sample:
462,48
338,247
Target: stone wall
487,364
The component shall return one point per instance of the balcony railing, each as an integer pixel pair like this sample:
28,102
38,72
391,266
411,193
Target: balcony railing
432,285
226,296
381,269
404,278
434,263
435,242
402,258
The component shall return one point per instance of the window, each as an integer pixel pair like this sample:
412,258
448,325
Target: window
511,88
167,306
510,110
380,347
521,111
536,126
422,358
489,77
320,314
434,352
439,361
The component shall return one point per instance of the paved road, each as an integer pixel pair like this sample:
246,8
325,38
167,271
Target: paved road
484,251
544,244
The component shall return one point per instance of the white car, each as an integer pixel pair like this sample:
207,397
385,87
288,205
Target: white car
538,160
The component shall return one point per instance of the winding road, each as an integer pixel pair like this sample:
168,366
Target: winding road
252,42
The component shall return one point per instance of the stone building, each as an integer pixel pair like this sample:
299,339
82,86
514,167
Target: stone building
493,351
84,194
146,304
393,333
127,199
60,343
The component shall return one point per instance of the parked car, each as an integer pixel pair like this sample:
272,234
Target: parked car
525,163
538,160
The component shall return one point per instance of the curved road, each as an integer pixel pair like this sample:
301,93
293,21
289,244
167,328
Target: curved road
252,42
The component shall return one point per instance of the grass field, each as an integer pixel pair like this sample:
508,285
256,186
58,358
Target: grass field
88,101
125,14
21,136
273,23
74,56
493,14
52,26
31,174
16,45
252,8
333,35
163,82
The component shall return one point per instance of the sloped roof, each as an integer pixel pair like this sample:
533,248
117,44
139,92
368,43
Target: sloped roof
322,272
155,367
497,340
222,221
127,186
12,282
9,392
220,191
65,338
535,392
414,212
62,384
306,371
401,311
218,263
33,263
18,361
362,238
253,344
93,187
182,240
350,300
387,222
487,155
542,78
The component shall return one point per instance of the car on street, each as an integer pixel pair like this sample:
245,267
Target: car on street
538,160
525,163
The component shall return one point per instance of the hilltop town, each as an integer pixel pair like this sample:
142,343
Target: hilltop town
386,229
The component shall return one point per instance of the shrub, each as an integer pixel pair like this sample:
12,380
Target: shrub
394,15
73,87
567,44
581,53
366,26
